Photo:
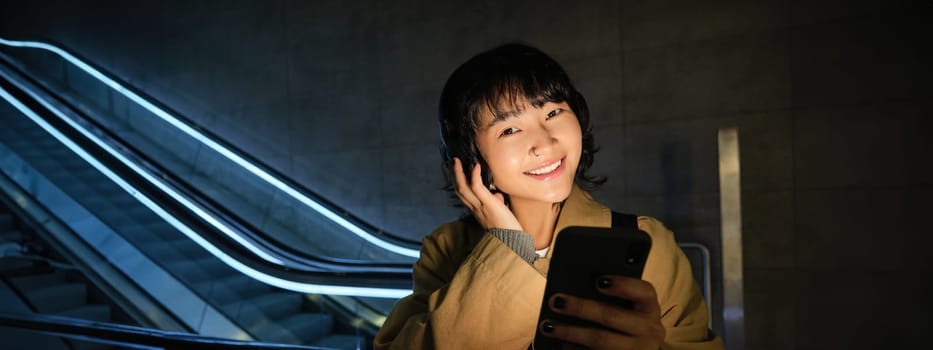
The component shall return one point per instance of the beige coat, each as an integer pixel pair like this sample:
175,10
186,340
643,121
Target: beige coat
471,291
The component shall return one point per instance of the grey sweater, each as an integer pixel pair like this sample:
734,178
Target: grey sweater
519,241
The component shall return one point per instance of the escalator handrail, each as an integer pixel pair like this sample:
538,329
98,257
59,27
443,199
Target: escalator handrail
298,258
410,248
257,237
406,246
268,272
80,329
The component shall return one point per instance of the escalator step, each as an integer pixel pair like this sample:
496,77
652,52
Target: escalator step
247,286
278,305
275,333
246,315
216,293
195,270
230,289
301,329
309,326
258,311
340,341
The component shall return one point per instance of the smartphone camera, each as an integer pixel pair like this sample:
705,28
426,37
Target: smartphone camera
636,253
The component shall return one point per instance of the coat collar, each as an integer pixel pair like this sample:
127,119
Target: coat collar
579,210
582,210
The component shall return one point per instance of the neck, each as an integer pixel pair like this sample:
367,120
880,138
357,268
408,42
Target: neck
537,219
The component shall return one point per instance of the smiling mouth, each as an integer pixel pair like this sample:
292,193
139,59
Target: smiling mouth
547,169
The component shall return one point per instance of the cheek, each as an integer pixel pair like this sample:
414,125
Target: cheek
573,137
574,145
501,161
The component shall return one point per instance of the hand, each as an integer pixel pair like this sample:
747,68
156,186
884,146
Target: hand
488,208
636,328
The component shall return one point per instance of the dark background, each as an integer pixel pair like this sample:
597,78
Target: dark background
832,100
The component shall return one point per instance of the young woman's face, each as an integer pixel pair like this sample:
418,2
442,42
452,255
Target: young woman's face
532,153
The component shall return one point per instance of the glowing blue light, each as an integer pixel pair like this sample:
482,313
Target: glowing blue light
155,181
269,279
262,174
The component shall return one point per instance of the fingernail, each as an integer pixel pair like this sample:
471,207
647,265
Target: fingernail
603,283
547,327
559,302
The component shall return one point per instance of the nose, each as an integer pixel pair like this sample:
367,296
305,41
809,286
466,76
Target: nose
542,140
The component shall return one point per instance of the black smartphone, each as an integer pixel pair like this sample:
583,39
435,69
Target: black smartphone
583,254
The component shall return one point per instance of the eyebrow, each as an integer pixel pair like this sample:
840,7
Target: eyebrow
500,116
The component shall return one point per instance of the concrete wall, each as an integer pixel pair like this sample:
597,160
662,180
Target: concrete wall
831,98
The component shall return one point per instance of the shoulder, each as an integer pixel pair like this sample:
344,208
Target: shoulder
664,254
656,230
666,268
452,234
451,240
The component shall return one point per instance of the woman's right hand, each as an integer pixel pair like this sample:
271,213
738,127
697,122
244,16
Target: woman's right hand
488,208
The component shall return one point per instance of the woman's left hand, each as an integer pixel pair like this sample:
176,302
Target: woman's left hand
636,328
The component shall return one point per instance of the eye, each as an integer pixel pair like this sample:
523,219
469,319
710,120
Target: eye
554,113
508,132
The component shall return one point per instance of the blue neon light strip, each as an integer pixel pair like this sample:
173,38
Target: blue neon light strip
155,181
271,280
262,174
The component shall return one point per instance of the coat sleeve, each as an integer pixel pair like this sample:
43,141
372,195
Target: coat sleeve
491,300
683,311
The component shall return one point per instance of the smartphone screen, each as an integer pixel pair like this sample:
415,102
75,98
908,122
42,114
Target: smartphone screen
583,254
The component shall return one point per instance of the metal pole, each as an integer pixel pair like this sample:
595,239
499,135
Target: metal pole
730,197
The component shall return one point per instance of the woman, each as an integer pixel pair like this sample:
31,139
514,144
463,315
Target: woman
518,144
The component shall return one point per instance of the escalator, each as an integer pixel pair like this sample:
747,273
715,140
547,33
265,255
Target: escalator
262,311
218,171
176,265
34,279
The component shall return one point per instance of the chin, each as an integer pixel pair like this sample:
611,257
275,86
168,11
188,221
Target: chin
556,196
560,198
552,193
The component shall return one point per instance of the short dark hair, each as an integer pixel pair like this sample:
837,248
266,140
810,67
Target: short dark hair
503,74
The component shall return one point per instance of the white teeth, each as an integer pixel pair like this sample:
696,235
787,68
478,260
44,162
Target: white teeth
546,169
